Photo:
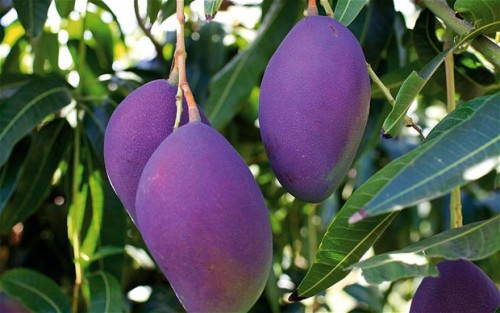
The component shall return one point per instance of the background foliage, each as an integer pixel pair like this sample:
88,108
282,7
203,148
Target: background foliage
62,77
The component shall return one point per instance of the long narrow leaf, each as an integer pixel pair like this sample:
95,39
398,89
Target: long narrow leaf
347,10
464,153
43,158
32,14
36,291
28,107
473,242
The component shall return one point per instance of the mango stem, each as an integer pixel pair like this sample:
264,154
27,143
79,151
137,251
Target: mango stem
312,9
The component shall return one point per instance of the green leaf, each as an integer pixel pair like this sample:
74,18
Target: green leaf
479,13
36,291
28,107
471,78
103,46
211,7
77,209
10,172
461,154
408,92
168,8
64,7
105,293
46,151
32,14
97,199
347,10
234,83
46,52
344,244
472,242
393,80
154,7
103,252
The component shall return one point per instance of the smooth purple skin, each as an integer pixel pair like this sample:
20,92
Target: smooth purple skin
134,131
204,220
460,287
314,104
11,305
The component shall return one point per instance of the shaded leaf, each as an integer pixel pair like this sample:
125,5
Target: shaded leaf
234,83
10,172
105,252
47,149
105,293
347,10
463,153
472,242
32,14
64,7
36,291
479,13
95,121
28,107
408,92
46,52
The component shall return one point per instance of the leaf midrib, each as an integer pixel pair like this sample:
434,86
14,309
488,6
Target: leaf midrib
38,293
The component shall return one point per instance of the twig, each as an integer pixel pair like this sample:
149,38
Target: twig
328,8
147,30
387,93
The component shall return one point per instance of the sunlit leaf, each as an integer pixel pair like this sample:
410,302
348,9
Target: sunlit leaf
153,8
463,153
36,291
347,10
105,293
473,241
46,151
32,14
26,108
234,83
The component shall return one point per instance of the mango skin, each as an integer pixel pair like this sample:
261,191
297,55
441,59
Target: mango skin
136,128
460,287
314,104
204,220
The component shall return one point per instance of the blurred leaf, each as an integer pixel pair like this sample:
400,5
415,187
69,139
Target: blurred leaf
463,153
46,50
211,7
91,240
12,63
46,151
101,4
77,209
64,7
154,7
105,293
472,242
479,13
28,107
346,10
408,92
95,121
10,172
105,252
234,83
36,291
32,14
103,46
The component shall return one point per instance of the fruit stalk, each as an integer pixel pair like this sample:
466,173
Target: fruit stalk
328,8
455,201
312,9
180,61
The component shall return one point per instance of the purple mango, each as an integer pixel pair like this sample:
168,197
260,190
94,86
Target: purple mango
205,222
134,131
460,287
314,104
